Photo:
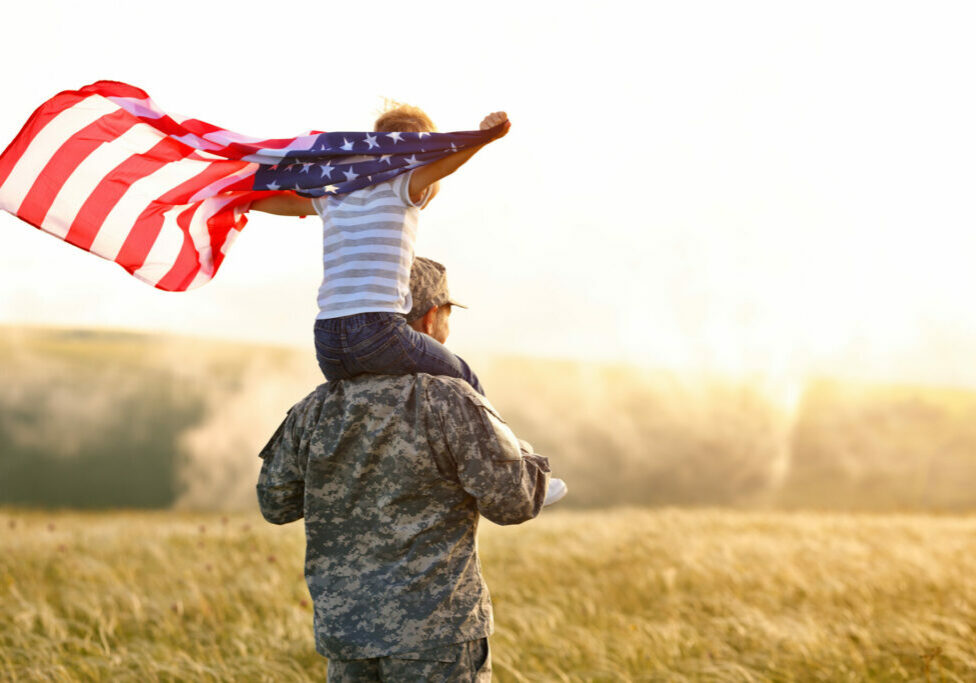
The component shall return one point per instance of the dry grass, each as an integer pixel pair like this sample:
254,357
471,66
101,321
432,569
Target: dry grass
579,596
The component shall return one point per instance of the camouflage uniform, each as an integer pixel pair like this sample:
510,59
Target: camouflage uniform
391,473
469,661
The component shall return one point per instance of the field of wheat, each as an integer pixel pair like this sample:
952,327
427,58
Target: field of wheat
625,595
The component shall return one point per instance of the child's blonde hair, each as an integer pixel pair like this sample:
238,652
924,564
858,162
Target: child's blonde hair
403,118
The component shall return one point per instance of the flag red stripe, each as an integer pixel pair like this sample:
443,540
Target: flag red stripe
169,126
187,264
64,162
233,150
35,124
140,239
202,129
114,89
216,170
146,229
220,224
113,186
243,185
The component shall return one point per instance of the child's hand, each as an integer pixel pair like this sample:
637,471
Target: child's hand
424,176
493,120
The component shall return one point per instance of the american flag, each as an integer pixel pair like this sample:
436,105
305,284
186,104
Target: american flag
105,169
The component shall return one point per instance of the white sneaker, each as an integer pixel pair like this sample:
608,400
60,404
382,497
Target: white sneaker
556,492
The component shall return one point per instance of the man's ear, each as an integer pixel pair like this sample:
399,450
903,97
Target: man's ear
429,320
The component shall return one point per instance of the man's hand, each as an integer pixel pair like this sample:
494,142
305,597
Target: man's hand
493,120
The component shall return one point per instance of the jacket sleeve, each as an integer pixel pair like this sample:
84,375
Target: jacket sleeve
508,483
281,484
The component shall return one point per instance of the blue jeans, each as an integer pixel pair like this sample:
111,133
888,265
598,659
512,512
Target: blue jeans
383,344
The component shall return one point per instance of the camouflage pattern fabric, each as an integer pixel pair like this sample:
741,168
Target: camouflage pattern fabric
428,287
391,474
469,661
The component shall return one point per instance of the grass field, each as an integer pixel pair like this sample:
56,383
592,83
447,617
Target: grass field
579,596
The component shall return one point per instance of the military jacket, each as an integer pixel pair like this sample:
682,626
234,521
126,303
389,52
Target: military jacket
391,474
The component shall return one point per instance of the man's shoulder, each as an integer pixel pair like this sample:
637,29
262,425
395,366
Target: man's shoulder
451,390
392,391
446,384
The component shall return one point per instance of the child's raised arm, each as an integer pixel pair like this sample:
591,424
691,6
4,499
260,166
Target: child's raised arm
426,176
285,205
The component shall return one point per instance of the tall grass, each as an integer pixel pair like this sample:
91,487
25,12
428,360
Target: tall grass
622,595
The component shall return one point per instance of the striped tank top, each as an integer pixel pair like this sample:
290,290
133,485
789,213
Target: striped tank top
367,249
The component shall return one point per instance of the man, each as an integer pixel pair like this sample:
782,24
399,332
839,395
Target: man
391,474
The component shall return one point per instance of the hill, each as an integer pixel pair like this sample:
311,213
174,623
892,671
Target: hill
115,419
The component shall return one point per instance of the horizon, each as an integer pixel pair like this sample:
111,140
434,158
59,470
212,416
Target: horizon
780,389
149,421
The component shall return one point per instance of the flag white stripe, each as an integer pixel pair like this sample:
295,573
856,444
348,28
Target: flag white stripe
165,249
218,185
201,279
233,234
200,232
59,130
209,156
226,137
139,107
115,229
86,177
197,143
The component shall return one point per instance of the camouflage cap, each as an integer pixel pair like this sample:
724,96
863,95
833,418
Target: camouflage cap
428,287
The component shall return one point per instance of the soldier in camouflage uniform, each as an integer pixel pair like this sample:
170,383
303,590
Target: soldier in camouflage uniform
391,474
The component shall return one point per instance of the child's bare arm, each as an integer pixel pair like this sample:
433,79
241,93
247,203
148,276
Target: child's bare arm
425,176
285,205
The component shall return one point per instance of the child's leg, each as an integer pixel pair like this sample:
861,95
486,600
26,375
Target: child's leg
356,344
423,353
383,344
430,356
328,349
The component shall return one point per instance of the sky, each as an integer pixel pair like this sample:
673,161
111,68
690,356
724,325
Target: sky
750,187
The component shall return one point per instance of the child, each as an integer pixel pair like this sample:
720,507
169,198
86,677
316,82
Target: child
368,259
368,252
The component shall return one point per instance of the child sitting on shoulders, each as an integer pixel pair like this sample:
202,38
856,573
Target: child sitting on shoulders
368,322
368,252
